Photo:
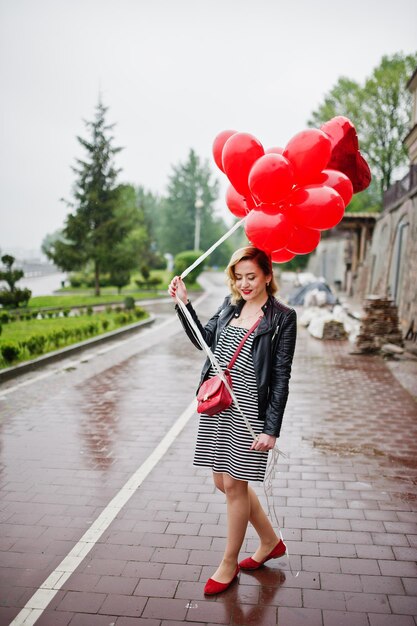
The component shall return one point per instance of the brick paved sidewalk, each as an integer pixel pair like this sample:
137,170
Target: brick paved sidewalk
346,495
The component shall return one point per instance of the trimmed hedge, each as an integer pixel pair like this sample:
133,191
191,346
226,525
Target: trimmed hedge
13,351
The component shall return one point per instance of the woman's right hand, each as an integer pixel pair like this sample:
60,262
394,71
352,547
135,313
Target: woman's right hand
178,289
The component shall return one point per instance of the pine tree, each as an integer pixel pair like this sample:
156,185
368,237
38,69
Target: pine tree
92,229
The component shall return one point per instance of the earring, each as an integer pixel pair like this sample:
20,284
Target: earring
267,284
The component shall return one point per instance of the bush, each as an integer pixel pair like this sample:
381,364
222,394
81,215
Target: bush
184,260
35,344
4,317
139,313
129,303
76,280
104,280
154,281
151,283
109,309
144,270
92,328
55,337
10,351
90,310
158,262
105,324
0,329
11,299
121,318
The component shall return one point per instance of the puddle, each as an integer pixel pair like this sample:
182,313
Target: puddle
343,449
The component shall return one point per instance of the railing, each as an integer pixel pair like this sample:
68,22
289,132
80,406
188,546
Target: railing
401,188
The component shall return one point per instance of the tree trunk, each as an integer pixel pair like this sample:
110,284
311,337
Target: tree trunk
96,279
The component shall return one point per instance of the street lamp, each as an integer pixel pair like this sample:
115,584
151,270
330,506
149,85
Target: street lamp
198,205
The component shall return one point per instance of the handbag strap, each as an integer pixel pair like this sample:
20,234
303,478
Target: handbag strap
240,346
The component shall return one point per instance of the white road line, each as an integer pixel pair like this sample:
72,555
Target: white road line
46,592
113,346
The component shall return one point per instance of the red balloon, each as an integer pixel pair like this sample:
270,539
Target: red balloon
271,208
274,150
337,180
250,202
236,203
282,256
218,145
240,152
271,178
309,152
346,156
315,206
267,232
303,240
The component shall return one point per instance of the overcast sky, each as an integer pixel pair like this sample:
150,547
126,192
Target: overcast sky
173,73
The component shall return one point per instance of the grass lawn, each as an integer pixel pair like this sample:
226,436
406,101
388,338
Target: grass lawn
19,331
59,332
84,297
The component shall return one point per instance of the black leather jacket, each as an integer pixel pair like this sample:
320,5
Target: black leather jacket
272,351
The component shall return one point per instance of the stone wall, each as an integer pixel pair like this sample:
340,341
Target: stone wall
390,268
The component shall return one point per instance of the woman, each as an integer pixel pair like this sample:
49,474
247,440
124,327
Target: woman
260,382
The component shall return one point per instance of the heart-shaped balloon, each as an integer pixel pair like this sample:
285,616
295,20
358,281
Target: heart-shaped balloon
346,156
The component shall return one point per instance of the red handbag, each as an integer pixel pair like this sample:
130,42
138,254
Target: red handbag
213,396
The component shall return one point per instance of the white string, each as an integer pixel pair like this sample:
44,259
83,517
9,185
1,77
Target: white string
216,365
270,472
213,247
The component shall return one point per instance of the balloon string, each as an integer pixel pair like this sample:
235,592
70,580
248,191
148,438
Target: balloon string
273,461
213,247
215,364
271,470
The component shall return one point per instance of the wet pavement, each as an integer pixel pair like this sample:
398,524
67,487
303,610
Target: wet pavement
72,436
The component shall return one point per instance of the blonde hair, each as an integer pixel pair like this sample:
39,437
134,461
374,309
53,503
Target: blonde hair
262,260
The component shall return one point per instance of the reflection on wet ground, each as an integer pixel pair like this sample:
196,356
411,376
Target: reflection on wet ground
346,493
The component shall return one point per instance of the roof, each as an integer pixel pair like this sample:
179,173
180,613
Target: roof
412,83
361,216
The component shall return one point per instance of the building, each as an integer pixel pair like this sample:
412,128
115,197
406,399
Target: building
392,261
376,253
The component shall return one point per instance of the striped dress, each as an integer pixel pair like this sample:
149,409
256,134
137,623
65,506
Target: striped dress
223,440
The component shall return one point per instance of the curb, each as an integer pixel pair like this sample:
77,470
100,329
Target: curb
56,355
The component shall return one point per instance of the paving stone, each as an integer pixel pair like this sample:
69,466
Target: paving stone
299,616
164,608
344,618
348,512
390,620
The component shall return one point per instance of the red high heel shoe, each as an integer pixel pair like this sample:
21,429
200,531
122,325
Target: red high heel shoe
250,563
212,586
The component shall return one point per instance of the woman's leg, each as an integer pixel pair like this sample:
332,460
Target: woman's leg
259,520
238,508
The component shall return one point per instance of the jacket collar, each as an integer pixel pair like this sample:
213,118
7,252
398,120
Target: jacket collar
267,320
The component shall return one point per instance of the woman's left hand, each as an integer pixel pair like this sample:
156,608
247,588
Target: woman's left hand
263,443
